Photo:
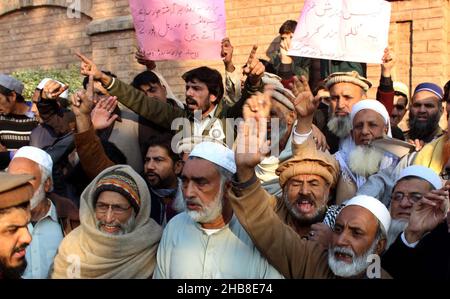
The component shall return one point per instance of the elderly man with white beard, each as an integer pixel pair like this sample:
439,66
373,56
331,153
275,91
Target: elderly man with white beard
412,184
207,240
370,121
52,216
346,89
117,239
359,232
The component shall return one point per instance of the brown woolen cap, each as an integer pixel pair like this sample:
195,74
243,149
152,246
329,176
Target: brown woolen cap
15,189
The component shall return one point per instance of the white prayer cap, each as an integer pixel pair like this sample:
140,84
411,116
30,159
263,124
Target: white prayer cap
37,155
41,85
421,172
374,105
215,153
376,207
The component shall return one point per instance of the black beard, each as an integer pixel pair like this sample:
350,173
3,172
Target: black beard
423,131
12,273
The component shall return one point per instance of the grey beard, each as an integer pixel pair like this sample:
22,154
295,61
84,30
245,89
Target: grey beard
358,265
340,126
364,160
210,212
302,219
420,130
124,228
38,196
396,228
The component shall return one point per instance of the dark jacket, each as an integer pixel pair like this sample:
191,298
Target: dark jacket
430,259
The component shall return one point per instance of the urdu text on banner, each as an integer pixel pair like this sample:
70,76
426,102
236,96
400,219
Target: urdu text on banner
348,30
179,29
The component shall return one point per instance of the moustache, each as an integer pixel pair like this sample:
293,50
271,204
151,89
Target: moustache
194,201
152,173
344,250
191,101
21,247
303,199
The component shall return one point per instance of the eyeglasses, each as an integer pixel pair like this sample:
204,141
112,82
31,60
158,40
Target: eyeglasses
116,209
445,174
413,197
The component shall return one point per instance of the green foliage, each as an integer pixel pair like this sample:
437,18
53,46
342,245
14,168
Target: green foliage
32,77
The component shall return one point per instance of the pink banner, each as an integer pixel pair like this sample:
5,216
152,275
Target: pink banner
179,29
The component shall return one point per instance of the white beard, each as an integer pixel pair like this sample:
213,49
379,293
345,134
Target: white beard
38,196
364,160
396,228
340,126
125,228
358,265
209,212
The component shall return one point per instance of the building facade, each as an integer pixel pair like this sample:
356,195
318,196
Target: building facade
47,33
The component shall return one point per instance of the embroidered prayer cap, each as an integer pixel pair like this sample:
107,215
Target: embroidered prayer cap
431,87
37,155
375,106
215,153
11,83
421,172
122,183
376,207
15,189
309,162
64,95
348,77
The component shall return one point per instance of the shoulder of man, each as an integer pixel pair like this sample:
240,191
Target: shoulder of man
68,213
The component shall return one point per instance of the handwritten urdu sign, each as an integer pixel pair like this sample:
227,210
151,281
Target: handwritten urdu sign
179,29
349,30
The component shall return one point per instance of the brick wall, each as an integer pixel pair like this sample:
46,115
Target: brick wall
38,33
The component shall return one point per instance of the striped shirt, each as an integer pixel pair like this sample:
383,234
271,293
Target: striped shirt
15,130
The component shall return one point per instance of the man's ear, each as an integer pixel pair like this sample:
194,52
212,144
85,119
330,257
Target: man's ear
12,97
381,246
48,185
178,167
212,98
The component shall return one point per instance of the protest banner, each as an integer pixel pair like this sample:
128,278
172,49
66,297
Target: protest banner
348,30
179,29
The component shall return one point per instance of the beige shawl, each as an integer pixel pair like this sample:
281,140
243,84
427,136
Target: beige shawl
89,253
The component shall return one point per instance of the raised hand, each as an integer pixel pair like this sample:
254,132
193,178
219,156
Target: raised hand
227,54
427,213
254,69
101,115
89,68
52,90
83,100
251,143
304,102
388,62
141,59
285,45
258,106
